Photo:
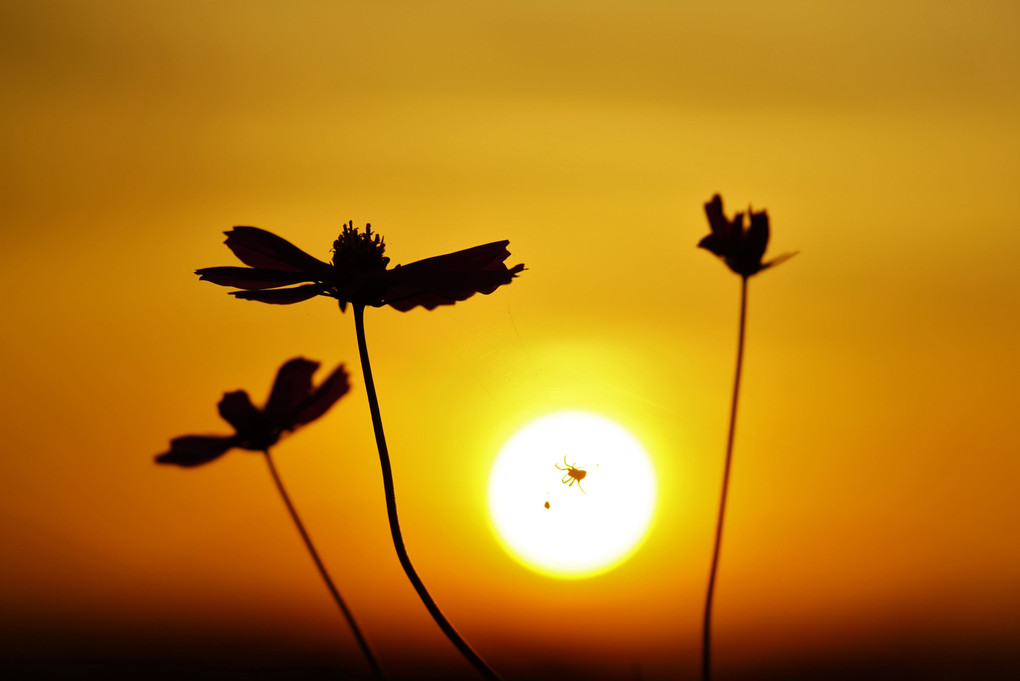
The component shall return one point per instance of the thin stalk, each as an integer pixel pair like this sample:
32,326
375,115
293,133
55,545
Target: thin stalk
706,650
391,510
322,570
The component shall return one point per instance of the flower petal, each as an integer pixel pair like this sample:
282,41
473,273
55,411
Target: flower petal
486,256
450,290
779,259
251,278
325,396
195,450
757,238
447,279
237,410
713,243
281,296
716,219
264,250
291,390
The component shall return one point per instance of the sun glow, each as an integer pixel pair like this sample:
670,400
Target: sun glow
572,495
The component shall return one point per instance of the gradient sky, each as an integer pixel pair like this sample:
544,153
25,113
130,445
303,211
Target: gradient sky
874,511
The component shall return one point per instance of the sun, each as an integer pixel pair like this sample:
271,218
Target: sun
572,495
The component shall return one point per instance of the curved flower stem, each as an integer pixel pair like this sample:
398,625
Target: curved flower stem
706,654
391,510
322,570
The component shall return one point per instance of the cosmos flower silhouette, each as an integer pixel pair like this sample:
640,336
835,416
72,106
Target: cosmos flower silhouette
280,273
293,402
741,248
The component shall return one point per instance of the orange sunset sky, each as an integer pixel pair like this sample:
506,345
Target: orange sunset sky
874,514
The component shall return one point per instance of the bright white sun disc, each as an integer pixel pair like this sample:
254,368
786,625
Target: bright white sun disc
591,524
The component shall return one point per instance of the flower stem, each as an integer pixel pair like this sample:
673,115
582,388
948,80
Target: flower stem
706,654
391,510
322,570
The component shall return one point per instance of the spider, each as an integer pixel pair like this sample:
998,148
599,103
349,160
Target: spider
574,474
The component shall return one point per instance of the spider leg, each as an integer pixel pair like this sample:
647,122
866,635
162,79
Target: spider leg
564,479
580,488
